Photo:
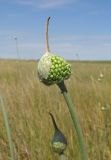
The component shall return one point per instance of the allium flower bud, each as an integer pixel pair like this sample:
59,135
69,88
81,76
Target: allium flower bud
58,146
59,141
53,69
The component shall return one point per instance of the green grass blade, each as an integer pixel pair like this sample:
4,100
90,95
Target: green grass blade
8,131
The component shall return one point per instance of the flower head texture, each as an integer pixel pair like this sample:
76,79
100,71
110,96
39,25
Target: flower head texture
59,142
53,69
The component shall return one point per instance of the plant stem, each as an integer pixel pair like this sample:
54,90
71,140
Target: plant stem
62,157
7,128
71,107
106,114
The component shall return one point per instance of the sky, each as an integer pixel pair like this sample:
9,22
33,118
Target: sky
78,29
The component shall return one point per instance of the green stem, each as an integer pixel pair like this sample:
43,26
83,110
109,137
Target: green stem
72,110
62,157
7,128
106,114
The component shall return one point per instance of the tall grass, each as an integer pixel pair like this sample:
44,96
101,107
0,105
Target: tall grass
8,130
28,106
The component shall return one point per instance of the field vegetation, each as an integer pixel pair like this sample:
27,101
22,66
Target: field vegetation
28,101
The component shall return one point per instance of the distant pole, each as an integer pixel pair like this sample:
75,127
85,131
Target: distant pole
18,56
77,56
17,49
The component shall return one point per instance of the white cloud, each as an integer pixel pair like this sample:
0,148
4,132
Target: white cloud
52,4
26,2
30,45
88,47
82,38
45,4
107,44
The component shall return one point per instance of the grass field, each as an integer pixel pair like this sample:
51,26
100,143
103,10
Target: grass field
28,102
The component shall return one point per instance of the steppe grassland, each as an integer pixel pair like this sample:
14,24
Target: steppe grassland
28,102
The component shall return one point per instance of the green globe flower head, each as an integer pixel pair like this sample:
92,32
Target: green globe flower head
53,69
59,142
59,147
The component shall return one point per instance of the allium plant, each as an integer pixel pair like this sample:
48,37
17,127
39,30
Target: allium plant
53,69
59,141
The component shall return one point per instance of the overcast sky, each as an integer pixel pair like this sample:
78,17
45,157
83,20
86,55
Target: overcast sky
78,28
